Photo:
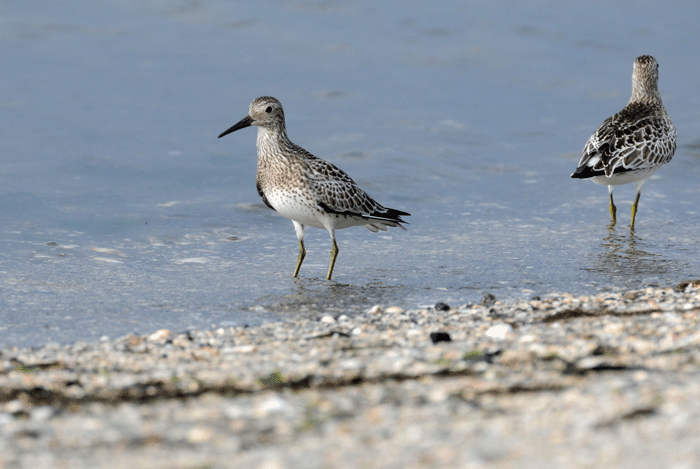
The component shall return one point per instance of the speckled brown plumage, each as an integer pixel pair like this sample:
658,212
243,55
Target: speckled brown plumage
632,144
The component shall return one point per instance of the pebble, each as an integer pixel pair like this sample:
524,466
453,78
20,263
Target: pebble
499,331
273,404
614,328
488,299
14,407
439,337
199,435
160,336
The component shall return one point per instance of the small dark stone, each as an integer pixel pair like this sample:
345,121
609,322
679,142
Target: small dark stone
489,356
52,243
442,306
605,350
440,337
535,298
496,314
488,299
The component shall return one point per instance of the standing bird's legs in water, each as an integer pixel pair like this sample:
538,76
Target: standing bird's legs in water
613,209
334,255
635,205
299,228
634,208
300,259
302,255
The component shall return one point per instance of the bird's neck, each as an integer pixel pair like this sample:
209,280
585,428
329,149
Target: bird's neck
271,144
271,137
645,91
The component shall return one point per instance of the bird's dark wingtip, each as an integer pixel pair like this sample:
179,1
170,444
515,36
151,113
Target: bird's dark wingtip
394,215
397,214
585,172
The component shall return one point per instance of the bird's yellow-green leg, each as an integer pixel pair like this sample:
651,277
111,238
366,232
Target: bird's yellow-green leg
613,209
634,208
334,255
300,259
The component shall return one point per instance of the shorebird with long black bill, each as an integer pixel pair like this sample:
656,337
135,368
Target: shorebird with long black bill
306,189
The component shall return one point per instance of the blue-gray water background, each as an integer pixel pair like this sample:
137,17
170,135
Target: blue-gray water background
120,210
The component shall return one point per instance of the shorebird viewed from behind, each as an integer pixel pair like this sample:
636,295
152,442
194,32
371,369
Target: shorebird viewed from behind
631,145
306,189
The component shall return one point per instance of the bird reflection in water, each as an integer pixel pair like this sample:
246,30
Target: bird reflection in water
627,260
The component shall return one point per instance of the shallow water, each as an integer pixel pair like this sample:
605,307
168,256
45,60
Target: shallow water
122,212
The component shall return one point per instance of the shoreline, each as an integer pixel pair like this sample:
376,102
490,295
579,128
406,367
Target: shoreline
553,382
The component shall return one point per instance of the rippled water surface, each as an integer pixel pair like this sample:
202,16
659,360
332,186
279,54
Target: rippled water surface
120,210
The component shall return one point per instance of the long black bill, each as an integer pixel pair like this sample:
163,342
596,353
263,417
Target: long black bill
243,123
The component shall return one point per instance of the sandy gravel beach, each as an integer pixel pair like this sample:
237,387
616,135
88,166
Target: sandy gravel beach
559,381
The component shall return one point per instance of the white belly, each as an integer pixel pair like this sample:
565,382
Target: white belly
625,178
295,206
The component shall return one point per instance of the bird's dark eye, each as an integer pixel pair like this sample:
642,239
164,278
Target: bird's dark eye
269,109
